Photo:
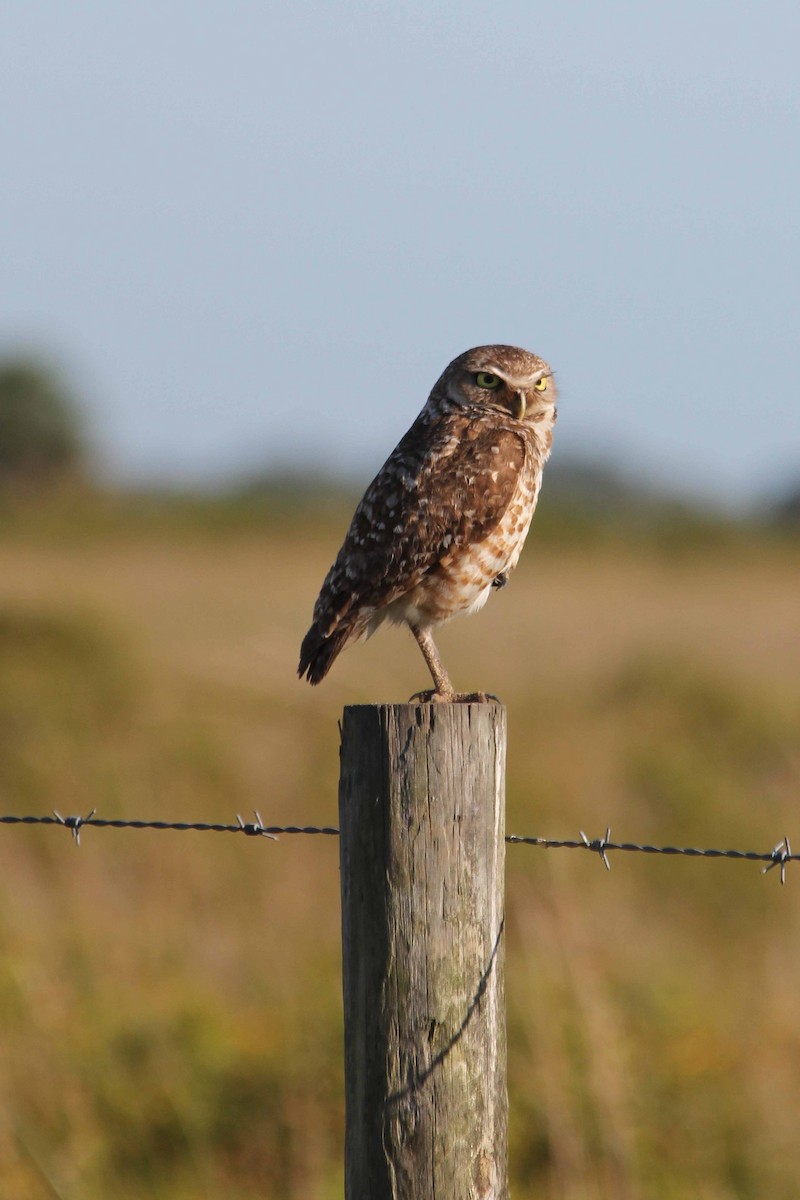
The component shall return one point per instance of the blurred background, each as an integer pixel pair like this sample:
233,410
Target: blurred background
239,243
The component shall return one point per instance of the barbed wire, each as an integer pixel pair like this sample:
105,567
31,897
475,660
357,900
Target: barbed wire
780,855
255,828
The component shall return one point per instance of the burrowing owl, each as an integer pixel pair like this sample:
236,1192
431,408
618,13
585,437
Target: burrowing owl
444,520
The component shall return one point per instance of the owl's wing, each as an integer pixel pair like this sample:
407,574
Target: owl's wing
446,485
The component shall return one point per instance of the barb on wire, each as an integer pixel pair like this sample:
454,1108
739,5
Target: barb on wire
73,824
256,828
600,845
780,856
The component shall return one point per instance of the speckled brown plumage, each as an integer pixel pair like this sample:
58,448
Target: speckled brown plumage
446,517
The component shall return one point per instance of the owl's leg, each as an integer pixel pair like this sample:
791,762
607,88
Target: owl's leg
444,688
443,693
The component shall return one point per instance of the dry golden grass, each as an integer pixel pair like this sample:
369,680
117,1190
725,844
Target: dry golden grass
170,1002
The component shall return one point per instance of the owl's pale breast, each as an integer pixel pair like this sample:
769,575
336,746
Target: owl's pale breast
462,580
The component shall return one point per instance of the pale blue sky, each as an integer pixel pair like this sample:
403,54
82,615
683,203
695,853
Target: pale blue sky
255,233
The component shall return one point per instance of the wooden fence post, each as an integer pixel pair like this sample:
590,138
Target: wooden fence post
422,819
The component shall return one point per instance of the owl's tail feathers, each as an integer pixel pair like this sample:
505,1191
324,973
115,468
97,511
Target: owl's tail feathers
318,652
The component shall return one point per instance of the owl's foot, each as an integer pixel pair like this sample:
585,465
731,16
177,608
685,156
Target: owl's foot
434,697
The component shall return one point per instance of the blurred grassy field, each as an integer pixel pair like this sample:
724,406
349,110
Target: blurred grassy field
170,1003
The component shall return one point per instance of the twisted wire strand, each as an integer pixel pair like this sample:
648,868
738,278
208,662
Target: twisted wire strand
644,848
779,856
249,828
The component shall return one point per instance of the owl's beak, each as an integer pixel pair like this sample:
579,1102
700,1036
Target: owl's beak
519,405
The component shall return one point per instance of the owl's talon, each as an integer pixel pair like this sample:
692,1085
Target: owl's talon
434,697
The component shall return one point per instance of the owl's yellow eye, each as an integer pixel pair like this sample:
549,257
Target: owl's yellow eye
541,384
485,379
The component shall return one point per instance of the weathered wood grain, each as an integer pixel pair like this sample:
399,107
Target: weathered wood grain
422,818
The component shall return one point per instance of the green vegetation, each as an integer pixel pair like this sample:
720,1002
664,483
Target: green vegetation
41,439
170,1003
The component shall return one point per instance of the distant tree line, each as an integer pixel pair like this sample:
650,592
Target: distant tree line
789,509
41,431
43,443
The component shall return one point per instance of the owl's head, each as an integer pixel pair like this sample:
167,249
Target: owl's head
504,379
